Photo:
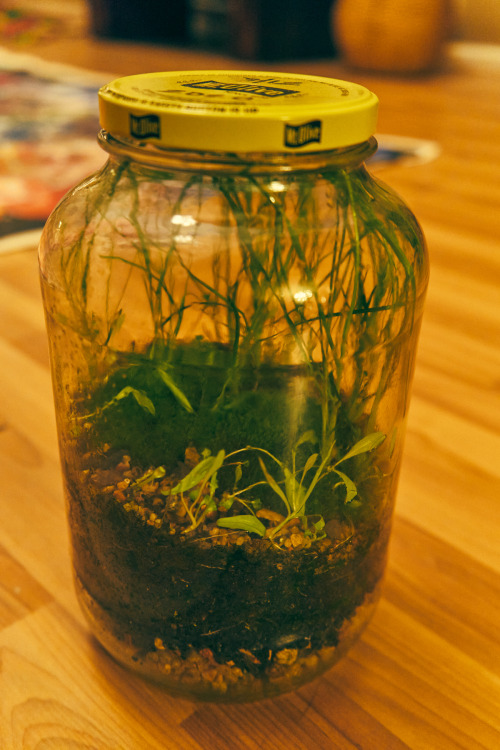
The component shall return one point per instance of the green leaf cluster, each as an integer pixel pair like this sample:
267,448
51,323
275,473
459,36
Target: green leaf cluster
296,486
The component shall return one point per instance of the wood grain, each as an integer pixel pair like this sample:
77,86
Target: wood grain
426,673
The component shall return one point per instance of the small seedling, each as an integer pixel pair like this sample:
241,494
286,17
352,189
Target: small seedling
295,487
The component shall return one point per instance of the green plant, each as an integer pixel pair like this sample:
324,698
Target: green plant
296,486
200,486
278,287
297,286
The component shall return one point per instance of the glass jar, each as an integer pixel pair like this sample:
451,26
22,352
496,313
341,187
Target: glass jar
233,305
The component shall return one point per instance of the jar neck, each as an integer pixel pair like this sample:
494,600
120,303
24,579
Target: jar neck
157,157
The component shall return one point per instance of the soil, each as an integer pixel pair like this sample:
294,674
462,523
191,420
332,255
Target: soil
255,614
213,612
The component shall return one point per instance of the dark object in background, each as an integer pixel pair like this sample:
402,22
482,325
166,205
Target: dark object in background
144,20
280,29
249,29
208,24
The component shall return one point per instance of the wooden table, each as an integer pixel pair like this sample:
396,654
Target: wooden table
426,673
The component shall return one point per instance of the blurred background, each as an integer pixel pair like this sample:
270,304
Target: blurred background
264,29
48,118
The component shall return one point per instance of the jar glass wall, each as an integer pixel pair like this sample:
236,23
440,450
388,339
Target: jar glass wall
232,342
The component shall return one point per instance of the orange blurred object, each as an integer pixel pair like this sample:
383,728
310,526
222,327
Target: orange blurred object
391,36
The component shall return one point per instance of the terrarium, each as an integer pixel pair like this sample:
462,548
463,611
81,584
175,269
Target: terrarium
233,305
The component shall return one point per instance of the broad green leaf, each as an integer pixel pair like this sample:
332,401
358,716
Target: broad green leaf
219,460
227,502
209,506
213,484
201,473
158,473
238,472
320,524
351,490
194,477
139,396
243,523
175,390
143,401
368,443
272,482
294,492
150,476
123,393
307,437
309,464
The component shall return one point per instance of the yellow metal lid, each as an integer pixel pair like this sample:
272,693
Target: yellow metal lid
238,111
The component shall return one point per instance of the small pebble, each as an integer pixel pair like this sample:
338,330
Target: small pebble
270,515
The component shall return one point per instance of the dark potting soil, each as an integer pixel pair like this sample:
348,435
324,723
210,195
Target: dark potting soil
242,597
245,596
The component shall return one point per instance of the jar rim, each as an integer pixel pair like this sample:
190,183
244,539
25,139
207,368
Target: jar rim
187,160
